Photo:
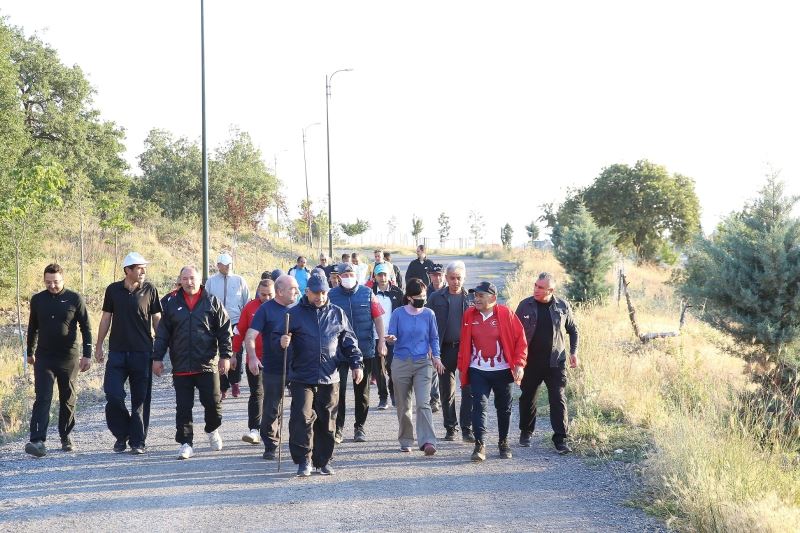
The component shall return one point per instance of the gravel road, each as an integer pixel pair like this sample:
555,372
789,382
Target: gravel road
375,487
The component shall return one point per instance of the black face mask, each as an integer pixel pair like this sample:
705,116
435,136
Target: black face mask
419,304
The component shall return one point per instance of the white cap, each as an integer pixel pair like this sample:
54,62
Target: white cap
225,259
134,258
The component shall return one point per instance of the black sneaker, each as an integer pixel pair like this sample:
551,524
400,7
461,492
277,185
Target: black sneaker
383,405
139,449
324,470
304,469
468,436
36,449
120,446
479,453
360,435
450,434
337,437
67,445
563,448
269,455
525,439
505,449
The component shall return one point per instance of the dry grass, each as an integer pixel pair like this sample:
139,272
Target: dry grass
675,404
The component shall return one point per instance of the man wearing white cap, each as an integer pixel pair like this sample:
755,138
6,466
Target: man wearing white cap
234,294
132,310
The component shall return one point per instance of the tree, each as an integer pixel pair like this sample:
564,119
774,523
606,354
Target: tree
748,272
585,251
444,228
416,228
506,234
476,228
113,211
392,225
646,206
356,228
533,231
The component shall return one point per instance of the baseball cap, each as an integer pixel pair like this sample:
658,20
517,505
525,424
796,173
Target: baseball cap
225,259
437,268
276,274
381,268
317,283
486,287
344,267
134,258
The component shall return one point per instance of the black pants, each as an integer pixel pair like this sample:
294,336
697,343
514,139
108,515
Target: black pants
134,367
47,370
311,422
556,380
483,383
270,426
360,392
384,380
254,403
447,392
207,384
234,375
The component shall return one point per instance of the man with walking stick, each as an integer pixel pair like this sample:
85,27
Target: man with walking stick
316,330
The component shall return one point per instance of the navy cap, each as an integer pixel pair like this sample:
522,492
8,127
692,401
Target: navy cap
317,283
486,287
437,268
276,274
344,267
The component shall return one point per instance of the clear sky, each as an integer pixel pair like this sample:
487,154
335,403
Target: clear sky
453,105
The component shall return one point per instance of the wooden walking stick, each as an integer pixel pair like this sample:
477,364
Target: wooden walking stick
283,397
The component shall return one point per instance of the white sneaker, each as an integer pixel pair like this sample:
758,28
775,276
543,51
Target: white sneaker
185,452
215,440
253,436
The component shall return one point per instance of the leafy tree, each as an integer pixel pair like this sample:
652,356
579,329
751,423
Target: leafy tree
356,228
585,251
444,228
749,271
416,227
506,234
646,206
533,231
557,218
476,227
113,211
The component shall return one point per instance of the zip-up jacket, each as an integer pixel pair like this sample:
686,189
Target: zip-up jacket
318,334
193,337
440,305
357,305
245,319
54,322
561,314
394,294
231,291
512,340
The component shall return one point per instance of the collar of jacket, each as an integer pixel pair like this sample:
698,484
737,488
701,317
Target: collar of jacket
305,303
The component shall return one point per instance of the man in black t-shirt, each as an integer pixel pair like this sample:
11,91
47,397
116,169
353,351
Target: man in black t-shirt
131,309
544,317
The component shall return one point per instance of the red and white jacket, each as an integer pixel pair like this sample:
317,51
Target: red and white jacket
512,340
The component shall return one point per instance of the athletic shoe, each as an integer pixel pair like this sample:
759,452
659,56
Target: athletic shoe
383,405
252,436
337,437
223,395
324,470
269,455
360,435
235,391
185,451
67,445
479,453
450,434
468,436
215,440
405,449
505,450
36,449
120,446
563,448
429,449
304,469
138,450
525,439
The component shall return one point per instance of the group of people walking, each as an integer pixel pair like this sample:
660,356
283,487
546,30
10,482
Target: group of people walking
312,330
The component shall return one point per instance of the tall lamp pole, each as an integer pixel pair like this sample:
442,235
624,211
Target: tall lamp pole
205,152
328,80
308,199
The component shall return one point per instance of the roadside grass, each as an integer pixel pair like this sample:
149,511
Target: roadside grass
676,407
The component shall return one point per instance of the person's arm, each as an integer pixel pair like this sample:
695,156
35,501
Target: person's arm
86,335
520,347
155,309
250,347
572,329
33,332
349,348
156,319
433,344
223,334
377,319
102,331
245,293
160,345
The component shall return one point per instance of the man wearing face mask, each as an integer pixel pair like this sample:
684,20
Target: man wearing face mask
365,315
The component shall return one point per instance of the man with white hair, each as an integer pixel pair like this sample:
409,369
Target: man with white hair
234,294
449,304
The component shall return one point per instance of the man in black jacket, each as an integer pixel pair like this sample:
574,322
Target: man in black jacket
56,315
420,267
194,326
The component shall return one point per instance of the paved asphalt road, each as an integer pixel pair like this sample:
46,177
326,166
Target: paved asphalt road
375,487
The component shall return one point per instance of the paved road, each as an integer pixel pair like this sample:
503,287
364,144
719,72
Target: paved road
375,487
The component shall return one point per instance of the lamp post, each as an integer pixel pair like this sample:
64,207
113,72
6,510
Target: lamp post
205,154
328,80
308,199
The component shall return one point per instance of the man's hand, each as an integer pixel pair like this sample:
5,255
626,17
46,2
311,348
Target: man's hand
158,368
391,339
519,372
437,364
285,340
233,362
31,359
223,366
254,365
381,347
85,364
99,356
358,375
573,360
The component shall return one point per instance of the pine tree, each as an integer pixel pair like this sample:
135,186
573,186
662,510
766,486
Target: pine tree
585,250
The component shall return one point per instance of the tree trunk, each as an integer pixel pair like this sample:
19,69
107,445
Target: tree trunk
83,260
19,308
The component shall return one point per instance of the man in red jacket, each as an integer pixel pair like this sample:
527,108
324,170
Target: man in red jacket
492,355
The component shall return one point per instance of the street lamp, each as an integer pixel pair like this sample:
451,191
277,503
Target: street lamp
205,151
328,80
308,200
